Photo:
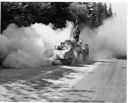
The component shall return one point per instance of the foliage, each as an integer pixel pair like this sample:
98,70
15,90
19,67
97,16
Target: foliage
57,13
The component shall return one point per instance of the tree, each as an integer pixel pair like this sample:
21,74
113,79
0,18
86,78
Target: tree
26,13
110,11
105,10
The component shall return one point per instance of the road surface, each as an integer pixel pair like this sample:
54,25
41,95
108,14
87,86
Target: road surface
102,81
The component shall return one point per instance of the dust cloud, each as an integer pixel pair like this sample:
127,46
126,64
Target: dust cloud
109,40
33,46
30,46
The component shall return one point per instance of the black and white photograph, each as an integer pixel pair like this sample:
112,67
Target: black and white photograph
63,52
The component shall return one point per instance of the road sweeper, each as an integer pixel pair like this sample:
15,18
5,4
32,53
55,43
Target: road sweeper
69,51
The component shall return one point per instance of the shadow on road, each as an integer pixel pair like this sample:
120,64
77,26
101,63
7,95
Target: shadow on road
14,74
35,85
34,81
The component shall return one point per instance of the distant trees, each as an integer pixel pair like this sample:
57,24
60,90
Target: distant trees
97,13
26,13
109,11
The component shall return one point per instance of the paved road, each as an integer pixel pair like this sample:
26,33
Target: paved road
106,83
95,82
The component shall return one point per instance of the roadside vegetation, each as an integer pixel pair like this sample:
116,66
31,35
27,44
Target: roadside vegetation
27,13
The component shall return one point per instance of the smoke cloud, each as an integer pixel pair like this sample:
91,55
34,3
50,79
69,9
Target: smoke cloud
33,46
109,40
30,46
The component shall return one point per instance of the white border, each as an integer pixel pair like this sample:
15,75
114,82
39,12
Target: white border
73,1
63,0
